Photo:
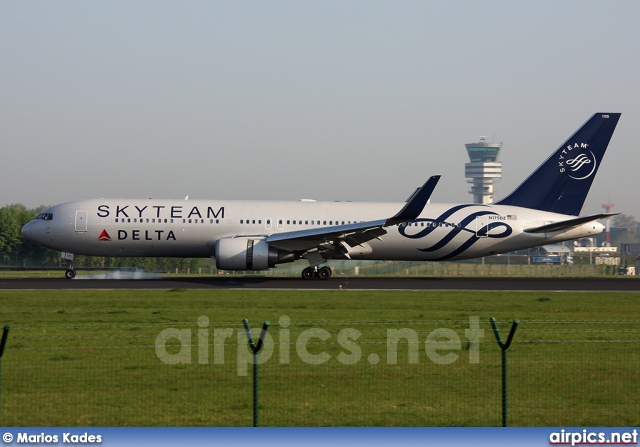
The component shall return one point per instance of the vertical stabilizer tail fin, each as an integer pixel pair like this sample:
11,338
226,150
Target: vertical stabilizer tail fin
561,183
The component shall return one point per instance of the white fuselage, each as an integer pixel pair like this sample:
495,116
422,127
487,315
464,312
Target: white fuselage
190,228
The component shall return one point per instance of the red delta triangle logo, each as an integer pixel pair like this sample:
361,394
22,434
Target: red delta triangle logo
104,236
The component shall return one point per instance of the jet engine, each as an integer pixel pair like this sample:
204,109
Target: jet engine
245,253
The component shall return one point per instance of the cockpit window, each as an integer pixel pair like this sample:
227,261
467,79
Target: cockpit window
45,216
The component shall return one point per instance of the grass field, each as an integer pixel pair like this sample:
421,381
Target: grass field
97,358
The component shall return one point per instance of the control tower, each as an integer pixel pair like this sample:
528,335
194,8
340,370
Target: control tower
483,170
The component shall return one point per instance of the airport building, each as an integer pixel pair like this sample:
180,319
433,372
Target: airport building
483,169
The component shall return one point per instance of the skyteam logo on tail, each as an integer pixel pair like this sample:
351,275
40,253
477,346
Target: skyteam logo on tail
579,162
583,164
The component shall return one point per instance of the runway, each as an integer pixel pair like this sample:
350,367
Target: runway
336,283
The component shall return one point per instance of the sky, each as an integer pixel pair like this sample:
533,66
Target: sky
329,100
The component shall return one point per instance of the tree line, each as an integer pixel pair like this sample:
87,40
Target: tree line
16,251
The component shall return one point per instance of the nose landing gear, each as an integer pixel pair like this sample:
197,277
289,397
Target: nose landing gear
70,273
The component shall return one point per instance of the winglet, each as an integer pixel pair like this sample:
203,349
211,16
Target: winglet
416,203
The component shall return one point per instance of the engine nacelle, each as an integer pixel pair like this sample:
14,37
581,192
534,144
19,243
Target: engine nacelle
245,253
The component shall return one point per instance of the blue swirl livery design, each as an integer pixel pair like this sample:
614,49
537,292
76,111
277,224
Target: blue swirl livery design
460,235
259,235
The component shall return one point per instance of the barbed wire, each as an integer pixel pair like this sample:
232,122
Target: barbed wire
312,343
212,324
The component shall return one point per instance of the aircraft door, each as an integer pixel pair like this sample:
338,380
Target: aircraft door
280,224
81,221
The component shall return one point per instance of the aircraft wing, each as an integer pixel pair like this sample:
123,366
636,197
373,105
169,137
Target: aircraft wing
356,233
568,224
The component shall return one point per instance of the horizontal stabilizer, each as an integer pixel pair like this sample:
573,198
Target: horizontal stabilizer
568,224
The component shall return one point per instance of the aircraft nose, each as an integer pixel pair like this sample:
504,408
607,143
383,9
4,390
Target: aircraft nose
28,231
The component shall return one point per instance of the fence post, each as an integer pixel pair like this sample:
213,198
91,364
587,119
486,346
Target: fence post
504,346
255,348
3,345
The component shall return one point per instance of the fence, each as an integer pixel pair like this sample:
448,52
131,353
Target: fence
434,269
319,373
355,268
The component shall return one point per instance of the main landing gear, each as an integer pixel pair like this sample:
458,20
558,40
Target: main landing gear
323,273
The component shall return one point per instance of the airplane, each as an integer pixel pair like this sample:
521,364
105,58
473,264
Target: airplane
258,235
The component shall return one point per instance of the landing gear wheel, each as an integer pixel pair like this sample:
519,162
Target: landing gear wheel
324,273
308,273
70,274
